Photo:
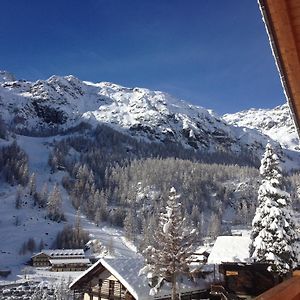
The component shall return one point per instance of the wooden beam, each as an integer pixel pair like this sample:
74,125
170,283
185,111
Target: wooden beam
282,18
288,289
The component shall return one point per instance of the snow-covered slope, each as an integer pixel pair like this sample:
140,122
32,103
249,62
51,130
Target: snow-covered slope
29,221
59,103
277,123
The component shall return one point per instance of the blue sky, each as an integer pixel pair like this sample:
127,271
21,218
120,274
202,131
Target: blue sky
212,53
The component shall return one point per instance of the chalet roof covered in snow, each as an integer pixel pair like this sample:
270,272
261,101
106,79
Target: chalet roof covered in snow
230,249
126,270
62,252
69,261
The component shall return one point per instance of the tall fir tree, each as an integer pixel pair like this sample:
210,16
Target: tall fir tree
170,254
32,184
18,199
44,194
273,227
54,205
3,130
131,224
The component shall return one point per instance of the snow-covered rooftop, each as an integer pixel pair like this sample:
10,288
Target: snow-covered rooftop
126,270
230,249
62,252
67,261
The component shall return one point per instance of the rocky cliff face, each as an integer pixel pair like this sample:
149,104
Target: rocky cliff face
154,116
276,123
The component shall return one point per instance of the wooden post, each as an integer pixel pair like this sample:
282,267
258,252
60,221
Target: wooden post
100,287
214,273
90,292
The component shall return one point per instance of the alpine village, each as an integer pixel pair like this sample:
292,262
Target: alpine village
110,192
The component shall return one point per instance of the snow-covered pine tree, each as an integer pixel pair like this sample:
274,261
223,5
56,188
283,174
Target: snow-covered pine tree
3,130
44,194
273,228
131,224
32,184
173,246
62,291
54,205
18,199
40,292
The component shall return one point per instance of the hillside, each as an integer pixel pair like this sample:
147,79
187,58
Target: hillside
114,152
29,221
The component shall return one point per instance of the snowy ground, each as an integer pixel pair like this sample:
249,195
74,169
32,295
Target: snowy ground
32,222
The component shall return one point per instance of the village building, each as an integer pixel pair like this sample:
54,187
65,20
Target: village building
61,260
118,278
229,249
73,264
234,274
197,266
200,255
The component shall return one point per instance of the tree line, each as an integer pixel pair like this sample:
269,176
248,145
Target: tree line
112,177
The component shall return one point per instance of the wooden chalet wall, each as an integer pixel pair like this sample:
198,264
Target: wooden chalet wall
102,285
282,18
61,260
40,260
98,283
247,280
106,286
68,265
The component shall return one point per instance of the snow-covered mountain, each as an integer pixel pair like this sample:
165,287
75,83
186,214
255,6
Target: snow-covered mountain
276,123
60,103
6,76
64,102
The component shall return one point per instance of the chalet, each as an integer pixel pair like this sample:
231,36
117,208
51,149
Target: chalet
198,267
70,264
61,260
229,249
117,278
236,276
201,254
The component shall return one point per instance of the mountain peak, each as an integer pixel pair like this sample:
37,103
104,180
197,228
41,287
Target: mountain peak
62,102
276,123
6,76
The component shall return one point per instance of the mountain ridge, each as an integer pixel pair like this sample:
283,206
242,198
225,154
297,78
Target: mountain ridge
277,123
60,103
